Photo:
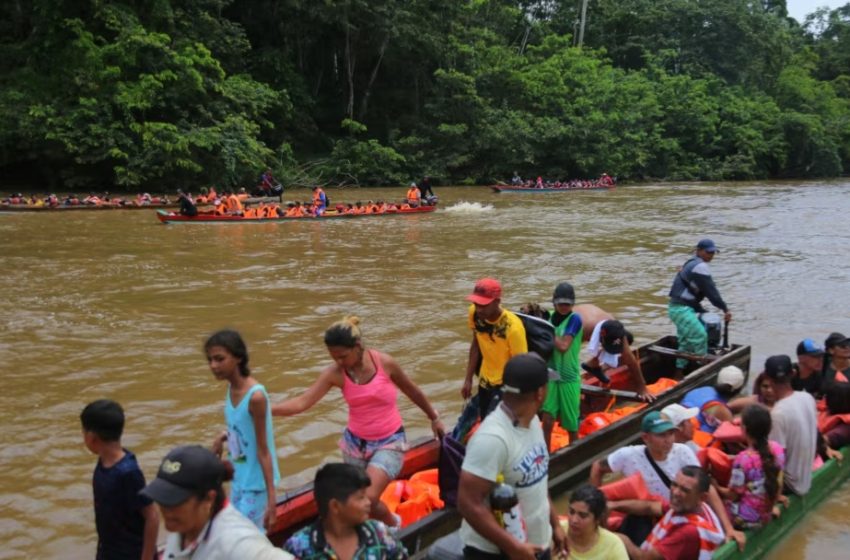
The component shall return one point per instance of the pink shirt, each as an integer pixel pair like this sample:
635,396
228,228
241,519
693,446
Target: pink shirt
372,410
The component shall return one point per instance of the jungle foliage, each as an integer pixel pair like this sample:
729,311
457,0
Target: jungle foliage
156,94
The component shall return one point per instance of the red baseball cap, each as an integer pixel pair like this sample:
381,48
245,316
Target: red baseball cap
486,290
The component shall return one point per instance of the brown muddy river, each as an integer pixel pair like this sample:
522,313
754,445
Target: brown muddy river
115,305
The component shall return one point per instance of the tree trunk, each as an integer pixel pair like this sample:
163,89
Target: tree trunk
350,62
364,103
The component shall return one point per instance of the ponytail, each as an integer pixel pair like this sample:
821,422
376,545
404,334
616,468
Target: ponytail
757,423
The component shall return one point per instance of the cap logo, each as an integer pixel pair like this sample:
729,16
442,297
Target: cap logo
170,467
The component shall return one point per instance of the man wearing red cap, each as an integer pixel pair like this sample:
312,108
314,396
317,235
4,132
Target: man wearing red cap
497,336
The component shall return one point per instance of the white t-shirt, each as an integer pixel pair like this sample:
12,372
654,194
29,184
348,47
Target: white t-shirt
520,454
596,350
231,537
795,426
631,459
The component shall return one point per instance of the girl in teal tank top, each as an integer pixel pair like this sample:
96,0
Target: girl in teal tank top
249,435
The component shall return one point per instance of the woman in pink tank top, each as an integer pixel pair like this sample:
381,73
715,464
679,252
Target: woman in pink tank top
374,437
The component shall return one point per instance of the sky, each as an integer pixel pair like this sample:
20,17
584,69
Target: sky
799,9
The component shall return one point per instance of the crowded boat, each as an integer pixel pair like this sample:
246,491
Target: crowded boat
662,449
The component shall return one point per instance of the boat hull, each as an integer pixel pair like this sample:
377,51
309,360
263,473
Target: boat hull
568,467
534,190
210,218
762,541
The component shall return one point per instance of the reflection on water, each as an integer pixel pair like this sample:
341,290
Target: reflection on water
116,305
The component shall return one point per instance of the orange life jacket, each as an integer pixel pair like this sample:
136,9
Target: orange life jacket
317,197
412,195
716,463
234,205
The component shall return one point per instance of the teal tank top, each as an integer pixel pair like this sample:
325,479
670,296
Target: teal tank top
242,442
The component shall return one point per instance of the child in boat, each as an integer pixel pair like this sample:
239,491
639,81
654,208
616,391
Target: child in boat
369,380
127,523
755,483
343,528
249,435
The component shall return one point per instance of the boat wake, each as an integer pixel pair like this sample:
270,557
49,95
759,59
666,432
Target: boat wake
469,208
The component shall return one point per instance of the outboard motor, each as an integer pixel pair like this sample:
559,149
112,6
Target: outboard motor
713,324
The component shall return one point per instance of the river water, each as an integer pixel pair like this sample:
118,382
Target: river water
115,305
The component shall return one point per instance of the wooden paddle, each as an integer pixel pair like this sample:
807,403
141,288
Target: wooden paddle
603,392
699,358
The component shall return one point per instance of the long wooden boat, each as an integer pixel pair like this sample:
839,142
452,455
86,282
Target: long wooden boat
127,205
760,542
210,217
533,190
568,467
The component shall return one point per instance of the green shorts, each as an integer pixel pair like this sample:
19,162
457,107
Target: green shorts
562,402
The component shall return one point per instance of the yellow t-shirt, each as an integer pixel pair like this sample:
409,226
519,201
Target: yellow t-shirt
498,341
608,547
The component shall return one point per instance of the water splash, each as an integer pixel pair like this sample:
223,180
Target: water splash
464,207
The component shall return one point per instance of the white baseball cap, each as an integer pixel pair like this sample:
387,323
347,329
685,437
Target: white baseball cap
732,376
677,413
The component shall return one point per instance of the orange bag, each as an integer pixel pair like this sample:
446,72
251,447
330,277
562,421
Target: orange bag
716,463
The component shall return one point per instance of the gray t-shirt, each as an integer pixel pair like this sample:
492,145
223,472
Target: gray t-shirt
520,455
795,427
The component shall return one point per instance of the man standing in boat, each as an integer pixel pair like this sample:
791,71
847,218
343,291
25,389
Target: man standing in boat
497,336
509,445
692,284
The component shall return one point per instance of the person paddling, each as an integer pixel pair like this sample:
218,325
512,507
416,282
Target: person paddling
374,438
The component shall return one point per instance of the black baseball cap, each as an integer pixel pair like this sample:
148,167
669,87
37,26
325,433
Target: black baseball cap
525,373
836,339
612,334
778,367
564,293
185,472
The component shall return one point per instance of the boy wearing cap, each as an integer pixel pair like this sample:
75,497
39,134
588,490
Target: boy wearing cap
497,336
712,402
808,373
202,524
563,396
510,442
343,529
794,425
608,344
126,522
692,284
837,365
680,417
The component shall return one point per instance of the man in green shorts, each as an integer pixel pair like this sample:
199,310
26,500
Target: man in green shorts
563,396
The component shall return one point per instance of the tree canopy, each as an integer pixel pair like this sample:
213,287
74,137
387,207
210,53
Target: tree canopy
159,94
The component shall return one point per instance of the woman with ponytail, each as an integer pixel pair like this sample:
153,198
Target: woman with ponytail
369,380
756,483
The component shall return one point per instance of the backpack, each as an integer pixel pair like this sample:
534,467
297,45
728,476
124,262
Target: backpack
539,334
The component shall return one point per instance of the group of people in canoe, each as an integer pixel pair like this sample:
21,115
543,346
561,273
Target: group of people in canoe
604,180
691,495
53,201
231,203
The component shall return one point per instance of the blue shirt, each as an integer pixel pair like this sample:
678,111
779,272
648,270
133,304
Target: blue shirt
118,509
699,398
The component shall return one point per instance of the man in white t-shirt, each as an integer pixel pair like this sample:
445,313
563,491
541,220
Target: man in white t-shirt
795,424
609,344
658,460
510,443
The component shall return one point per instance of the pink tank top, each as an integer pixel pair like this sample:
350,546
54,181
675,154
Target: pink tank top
372,410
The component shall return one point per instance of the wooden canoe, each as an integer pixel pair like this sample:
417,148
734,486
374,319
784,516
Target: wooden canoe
209,217
127,205
568,467
760,542
532,190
